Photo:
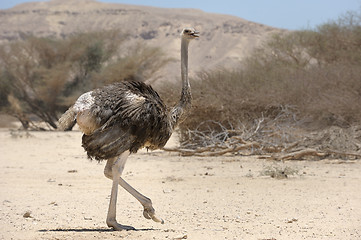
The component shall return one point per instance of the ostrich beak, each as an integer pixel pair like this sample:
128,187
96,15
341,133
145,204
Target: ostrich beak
195,34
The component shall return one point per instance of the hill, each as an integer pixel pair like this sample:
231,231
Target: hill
225,40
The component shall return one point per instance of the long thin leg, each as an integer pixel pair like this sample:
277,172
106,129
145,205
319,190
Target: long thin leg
117,169
149,211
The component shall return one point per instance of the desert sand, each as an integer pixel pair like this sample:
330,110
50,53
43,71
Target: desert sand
50,190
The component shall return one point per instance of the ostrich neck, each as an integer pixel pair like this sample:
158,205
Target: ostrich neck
186,97
184,67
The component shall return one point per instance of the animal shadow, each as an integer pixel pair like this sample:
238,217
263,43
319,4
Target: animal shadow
91,230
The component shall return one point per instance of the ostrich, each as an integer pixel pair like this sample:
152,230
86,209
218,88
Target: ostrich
123,117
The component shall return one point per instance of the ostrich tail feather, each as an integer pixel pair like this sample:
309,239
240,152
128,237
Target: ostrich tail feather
67,120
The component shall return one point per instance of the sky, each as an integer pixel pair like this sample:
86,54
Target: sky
287,14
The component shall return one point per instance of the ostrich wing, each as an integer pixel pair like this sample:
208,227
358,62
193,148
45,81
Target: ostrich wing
131,115
107,143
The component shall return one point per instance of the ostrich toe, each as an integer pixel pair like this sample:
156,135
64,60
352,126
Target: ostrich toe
118,227
149,213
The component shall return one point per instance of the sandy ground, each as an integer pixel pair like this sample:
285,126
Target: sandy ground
47,177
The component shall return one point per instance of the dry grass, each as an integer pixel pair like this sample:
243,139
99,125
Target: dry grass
278,171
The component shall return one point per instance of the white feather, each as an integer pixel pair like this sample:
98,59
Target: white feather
134,98
84,102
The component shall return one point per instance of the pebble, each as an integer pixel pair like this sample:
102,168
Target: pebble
27,214
185,236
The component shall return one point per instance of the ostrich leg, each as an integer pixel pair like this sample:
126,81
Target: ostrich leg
149,211
116,169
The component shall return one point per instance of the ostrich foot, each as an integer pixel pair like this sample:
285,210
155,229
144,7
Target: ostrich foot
118,227
149,213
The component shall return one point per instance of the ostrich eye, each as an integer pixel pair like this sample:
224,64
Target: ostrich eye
186,31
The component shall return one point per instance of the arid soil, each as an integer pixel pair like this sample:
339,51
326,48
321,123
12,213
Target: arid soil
50,190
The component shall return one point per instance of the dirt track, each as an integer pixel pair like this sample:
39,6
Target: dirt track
66,196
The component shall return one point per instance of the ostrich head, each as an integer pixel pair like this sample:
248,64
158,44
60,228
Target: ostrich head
189,33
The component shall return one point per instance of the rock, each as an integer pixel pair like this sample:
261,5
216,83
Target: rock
181,237
27,214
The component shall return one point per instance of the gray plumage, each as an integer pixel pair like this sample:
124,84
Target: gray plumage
131,115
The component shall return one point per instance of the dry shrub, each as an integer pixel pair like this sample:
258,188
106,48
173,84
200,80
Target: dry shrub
278,171
314,74
43,73
46,75
138,62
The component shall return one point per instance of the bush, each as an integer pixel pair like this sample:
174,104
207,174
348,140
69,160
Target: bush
44,76
314,74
